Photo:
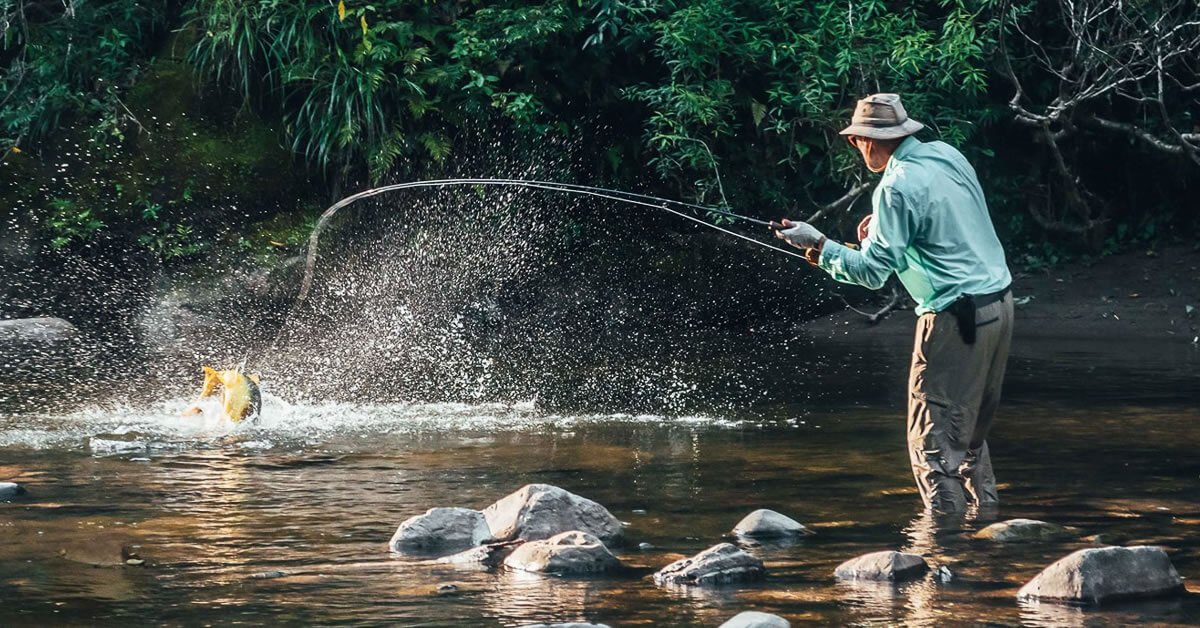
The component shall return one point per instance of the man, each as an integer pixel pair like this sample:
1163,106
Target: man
930,226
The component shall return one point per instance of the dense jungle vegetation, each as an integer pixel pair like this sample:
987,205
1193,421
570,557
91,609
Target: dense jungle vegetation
172,124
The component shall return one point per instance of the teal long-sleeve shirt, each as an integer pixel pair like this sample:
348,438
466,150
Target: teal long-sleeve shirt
931,228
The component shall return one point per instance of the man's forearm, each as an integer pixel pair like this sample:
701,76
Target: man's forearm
852,266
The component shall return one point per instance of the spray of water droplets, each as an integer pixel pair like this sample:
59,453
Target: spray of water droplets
574,304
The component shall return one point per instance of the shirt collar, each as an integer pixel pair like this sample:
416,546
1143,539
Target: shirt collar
909,144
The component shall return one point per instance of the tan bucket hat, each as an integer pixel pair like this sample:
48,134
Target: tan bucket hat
882,117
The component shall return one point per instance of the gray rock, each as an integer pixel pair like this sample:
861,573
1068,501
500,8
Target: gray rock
540,511
1019,530
764,524
38,345
755,619
1100,574
943,574
9,490
887,565
448,528
719,564
567,554
33,332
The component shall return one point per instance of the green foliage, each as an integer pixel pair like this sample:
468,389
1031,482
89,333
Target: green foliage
666,94
68,223
369,85
756,86
68,63
766,84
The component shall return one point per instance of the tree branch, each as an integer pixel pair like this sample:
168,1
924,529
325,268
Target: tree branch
844,202
1137,133
874,319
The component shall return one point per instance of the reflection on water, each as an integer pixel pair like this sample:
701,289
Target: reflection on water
287,521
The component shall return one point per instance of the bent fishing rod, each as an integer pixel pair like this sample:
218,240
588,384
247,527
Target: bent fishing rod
632,198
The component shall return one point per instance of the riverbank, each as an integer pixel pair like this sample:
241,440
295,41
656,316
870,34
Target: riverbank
1134,296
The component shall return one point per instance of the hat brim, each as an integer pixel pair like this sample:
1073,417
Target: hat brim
904,129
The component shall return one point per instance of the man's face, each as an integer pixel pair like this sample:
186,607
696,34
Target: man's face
872,153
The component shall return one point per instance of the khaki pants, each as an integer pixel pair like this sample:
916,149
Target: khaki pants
954,390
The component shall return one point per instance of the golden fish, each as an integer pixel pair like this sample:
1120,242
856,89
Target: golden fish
240,394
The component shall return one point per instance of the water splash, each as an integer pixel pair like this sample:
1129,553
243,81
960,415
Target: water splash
158,427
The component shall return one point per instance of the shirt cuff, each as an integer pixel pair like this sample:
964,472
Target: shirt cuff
830,253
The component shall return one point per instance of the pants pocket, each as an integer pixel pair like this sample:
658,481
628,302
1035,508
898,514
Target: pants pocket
942,429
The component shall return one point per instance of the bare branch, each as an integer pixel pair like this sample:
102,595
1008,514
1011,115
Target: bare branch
844,202
1137,133
874,318
1144,54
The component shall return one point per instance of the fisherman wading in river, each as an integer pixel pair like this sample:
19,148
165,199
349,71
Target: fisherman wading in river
930,226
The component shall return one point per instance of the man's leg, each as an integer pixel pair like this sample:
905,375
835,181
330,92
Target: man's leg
946,388
977,467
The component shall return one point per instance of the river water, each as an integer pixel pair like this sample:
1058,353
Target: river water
1100,437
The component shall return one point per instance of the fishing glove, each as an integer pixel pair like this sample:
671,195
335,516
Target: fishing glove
800,234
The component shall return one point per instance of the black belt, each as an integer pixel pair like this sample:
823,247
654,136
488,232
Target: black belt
964,308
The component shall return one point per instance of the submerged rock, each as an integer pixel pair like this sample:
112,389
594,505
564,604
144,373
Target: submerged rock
110,444
567,553
886,565
767,524
755,619
488,555
719,564
540,511
9,490
448,528
1018,530
268,575
1108,538
1100,574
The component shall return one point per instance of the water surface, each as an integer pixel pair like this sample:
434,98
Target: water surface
311,496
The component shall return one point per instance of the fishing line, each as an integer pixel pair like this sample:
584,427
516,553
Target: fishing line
625,197
632,198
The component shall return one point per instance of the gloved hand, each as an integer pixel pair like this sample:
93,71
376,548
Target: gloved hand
798,234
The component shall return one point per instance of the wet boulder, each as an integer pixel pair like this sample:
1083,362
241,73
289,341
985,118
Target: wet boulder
9,490
23,334
569,553
887,565
768,524
441,528
1023,530
719,564
1101,574
755,619
540,511
32,345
